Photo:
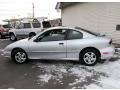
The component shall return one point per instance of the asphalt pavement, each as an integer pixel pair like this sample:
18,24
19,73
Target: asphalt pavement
14,75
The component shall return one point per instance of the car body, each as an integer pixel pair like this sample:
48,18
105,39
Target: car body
4,29
26,29
63,43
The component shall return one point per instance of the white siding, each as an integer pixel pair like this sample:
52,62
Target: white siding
97,16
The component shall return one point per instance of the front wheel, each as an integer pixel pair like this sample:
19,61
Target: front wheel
19,56
89,57
12,37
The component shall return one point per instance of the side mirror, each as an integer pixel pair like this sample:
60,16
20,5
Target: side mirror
36,40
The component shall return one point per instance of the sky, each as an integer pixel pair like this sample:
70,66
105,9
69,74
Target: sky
23,8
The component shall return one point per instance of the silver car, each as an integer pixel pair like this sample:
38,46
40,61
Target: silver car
62,43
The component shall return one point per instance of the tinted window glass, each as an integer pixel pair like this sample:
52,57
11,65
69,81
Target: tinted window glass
36,25
118,27
53,35
74,35
27,25
46,24
6,26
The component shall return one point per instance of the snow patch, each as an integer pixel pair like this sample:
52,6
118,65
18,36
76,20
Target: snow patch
106,75
45,78
11,88
93,86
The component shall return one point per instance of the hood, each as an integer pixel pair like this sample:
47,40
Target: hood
18,44
23,41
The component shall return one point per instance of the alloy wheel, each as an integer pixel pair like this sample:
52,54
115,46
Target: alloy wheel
89,58
20,57
12,37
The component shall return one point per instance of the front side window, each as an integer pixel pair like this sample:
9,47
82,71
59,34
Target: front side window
27,25
73,34
52,35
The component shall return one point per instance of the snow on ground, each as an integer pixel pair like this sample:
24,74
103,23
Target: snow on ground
112,70
74,75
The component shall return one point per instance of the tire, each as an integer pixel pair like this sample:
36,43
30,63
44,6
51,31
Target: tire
12,37
32,34
0,36
19,56
89,57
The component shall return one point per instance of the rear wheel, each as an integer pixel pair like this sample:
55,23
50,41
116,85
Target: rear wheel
89,57
19,56
12,37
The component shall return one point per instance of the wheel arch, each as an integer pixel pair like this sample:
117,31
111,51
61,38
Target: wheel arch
12,33
17,48
32,32
90,48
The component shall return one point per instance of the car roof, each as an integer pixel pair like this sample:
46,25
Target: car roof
62,27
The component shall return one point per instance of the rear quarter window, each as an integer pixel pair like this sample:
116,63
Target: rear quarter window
36,25
73,34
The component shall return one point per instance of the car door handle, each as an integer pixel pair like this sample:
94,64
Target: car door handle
61,43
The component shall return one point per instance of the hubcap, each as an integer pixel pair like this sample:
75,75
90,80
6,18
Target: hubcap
89,58
12,37
20,57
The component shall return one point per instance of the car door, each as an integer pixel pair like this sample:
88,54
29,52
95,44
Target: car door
24,30
74,44
49,45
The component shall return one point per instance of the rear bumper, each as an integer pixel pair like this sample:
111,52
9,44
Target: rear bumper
107,53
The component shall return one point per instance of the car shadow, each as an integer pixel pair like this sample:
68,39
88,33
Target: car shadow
55,61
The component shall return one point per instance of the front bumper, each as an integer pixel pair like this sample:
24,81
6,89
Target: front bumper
6,53
108,52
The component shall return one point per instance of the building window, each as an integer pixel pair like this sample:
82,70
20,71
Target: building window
118,27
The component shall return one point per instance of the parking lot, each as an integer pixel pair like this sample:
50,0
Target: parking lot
57,74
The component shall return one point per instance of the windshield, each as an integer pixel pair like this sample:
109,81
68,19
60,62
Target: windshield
91,32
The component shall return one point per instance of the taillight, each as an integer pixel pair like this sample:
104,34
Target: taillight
110,42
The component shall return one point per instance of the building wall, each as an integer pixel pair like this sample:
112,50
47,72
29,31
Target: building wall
96,16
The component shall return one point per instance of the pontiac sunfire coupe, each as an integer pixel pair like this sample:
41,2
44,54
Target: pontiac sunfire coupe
62,43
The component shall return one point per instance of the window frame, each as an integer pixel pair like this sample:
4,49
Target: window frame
65,37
